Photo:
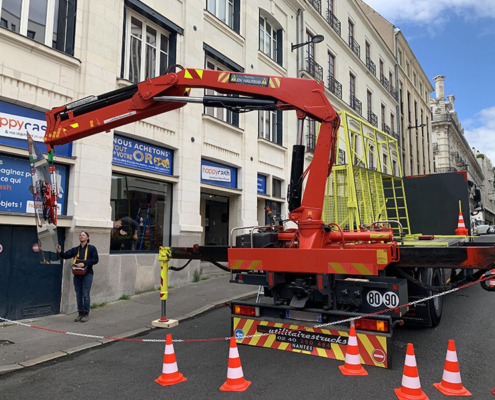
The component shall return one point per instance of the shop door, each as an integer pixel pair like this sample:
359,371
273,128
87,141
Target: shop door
27,288
217,221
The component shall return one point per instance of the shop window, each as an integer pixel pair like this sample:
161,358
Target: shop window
270,126
227,11
147,49
31,19
270,40
141,211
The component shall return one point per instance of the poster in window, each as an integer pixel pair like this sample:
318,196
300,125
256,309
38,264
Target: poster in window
136,154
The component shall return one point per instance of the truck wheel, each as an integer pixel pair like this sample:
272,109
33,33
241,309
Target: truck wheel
434,277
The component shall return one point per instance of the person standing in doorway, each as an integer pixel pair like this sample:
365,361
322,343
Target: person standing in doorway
85,256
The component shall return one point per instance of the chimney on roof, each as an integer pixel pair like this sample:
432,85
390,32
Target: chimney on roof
439,86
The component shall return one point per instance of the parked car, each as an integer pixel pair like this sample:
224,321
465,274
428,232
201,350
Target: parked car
481,229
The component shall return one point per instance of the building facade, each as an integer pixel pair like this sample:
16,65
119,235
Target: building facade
414,88
159,176
453,153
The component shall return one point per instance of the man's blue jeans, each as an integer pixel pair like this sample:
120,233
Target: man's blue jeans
82,284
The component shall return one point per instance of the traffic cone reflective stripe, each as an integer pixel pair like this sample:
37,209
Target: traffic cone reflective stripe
170,372
411,386
451,384
461,228
492,281
235,377
352,365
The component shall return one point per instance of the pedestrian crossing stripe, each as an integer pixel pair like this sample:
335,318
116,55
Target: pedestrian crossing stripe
368,343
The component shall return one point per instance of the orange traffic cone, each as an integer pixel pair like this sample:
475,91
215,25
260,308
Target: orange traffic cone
492,281
235,378
461,228
411,387
451,384
170,373
352,365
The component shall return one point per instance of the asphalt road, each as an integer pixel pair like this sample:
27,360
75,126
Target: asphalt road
127,370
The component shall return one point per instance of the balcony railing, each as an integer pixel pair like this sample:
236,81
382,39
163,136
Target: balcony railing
435,147
394,92
316,4
371,66
333,22
355,104
373,119
386,129
335,86
314,69
384,81
353,44
395,135
445,169
310,142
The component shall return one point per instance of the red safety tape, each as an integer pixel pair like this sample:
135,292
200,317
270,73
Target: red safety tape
263,334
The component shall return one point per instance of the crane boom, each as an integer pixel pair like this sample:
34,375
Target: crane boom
168,92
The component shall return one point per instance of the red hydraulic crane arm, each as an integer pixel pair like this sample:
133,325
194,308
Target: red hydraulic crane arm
92,115
96,114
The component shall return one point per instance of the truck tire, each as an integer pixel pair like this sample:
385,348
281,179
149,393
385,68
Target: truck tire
434,277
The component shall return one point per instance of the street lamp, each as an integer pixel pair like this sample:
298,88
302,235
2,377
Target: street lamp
314,39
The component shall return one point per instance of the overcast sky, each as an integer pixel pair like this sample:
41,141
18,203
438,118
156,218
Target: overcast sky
455,38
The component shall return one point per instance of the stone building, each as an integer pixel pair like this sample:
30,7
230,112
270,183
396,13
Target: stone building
453,153
62,51
414,88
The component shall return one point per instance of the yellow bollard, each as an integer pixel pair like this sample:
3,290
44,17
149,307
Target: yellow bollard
164,255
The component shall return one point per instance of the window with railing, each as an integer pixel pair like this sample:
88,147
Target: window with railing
316,5
373,119
310,135
384,81
332,20
314,69
353,44
356,104
353,101
335,86
371,66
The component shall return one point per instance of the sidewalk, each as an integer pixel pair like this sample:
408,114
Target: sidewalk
120,319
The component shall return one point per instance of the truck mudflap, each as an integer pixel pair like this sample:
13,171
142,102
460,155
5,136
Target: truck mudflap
320,342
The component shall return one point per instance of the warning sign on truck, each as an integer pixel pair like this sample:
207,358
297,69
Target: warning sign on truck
253,80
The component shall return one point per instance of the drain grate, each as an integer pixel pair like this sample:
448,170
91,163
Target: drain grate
37,311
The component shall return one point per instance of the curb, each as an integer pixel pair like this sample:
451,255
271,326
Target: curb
62,353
